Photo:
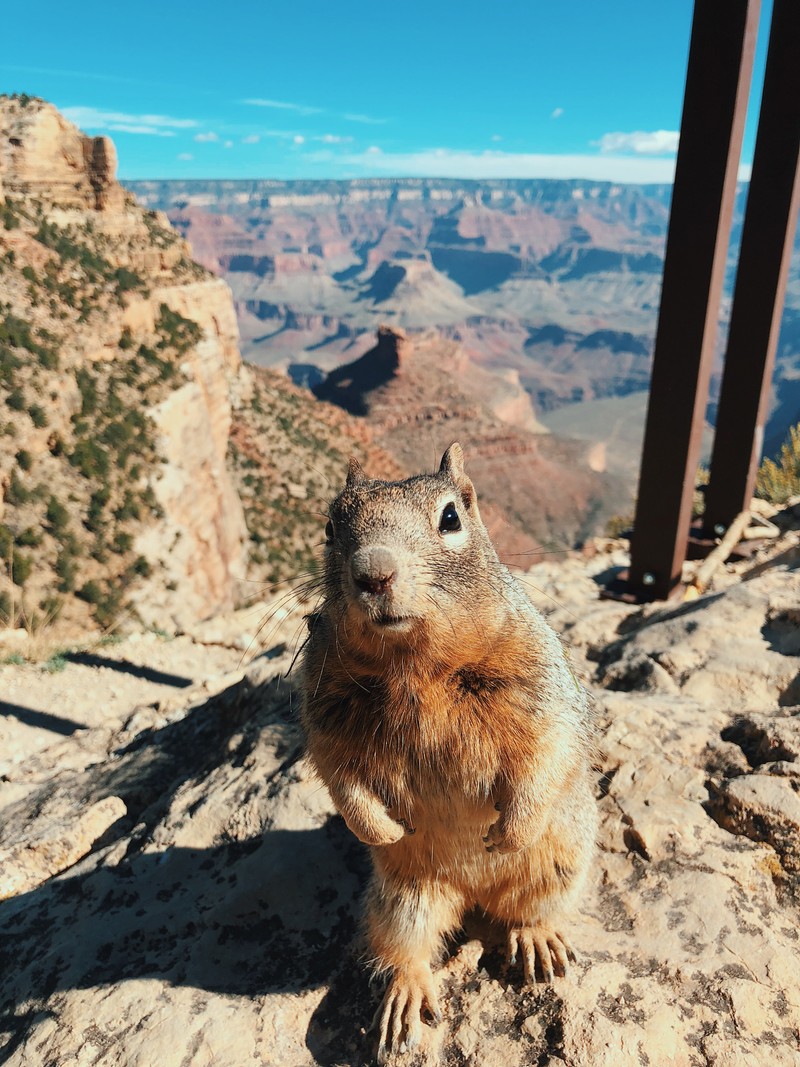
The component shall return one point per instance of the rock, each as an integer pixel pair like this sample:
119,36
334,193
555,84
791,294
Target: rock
41,151
217,923
32,860
692,643
763,808
638,671
765,738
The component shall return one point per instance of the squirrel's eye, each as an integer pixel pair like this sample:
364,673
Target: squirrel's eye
329,530
449,522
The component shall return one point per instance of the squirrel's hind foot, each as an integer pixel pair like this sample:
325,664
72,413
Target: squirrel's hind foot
540,944
399,1018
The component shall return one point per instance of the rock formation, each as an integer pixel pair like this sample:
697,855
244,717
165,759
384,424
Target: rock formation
107,313
419,392
214,920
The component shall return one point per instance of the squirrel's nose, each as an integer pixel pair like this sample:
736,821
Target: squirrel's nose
374,570
375,585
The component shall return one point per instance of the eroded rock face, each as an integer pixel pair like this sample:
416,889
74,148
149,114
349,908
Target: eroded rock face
63,193
41,152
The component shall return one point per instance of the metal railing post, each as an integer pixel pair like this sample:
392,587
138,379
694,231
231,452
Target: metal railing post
715,103
767,239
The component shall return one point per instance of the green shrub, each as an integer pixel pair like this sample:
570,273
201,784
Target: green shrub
51,607
127,280
91,592
38,415
66,570
57,515
777,482
16,493
24,460
9,216
21,567
90,459
123,542
16,400
29,538
94,517
87,387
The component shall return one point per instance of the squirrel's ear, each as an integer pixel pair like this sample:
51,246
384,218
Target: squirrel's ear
355,473
453,462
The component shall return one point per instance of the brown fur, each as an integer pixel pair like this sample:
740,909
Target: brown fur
443,717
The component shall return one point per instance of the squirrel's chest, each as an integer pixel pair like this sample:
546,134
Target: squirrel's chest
442,735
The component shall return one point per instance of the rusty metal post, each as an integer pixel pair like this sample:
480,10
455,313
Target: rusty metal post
767,239
715,103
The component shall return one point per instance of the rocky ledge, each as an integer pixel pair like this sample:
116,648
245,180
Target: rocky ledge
180,891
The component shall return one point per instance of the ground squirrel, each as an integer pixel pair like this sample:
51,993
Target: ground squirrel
442,715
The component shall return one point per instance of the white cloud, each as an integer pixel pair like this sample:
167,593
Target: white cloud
228,144
368,120
282,105
252,138
333,138
495,137
152,131
457,163
92,118
205,138
557,112
185,156
641,142
299,139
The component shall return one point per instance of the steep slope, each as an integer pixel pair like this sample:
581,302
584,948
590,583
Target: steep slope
418,394
288,454
116,357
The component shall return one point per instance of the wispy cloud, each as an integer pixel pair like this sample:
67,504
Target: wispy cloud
152,131
185,156
367,120
92,118
306,109
282,105
252,138
334,138
641,142
457,163
557,112
206,138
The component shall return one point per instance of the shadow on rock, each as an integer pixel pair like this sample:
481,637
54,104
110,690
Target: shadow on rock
259,911
268,915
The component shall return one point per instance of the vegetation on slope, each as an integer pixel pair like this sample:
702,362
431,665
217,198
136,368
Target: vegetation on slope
77,450
289,454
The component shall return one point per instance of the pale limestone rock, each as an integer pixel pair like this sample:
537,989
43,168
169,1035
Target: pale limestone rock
219,924
32,860
765,808
41,150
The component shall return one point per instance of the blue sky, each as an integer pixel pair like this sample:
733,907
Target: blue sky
310,89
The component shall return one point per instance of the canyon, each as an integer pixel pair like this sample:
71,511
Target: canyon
554,282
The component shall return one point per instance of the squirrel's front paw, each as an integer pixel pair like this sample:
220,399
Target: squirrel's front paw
380,830
505,837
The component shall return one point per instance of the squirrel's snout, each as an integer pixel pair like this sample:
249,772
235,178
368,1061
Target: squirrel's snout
374,570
